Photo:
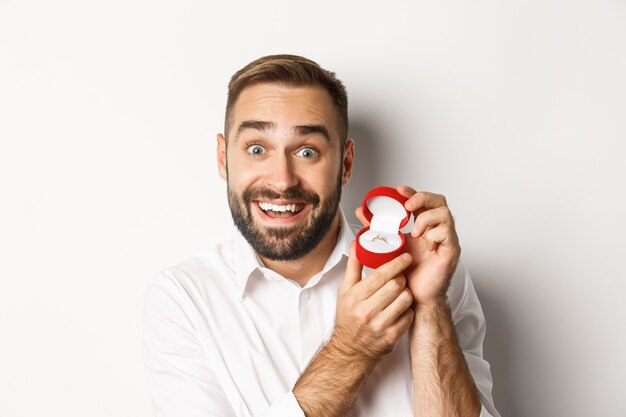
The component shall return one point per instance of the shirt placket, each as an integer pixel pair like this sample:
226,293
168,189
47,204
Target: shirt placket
310,322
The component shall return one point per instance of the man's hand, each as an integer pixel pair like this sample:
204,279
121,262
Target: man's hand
442,383
374,312
433,244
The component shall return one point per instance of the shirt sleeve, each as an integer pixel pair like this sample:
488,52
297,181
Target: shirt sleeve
469,323
177,369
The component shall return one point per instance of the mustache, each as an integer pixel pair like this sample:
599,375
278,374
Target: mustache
294,193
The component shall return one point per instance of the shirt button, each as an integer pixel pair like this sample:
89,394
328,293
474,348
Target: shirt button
307,295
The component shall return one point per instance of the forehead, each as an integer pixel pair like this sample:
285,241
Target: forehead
286,106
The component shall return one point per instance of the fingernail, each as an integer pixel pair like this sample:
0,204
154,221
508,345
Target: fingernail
406,257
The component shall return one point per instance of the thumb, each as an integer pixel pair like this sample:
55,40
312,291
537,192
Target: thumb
360,216
353,271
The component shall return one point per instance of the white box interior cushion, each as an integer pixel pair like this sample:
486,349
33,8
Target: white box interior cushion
387,214
391,242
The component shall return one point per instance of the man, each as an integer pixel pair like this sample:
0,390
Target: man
281,320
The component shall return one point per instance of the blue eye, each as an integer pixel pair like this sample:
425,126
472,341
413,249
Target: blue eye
255,150
307,153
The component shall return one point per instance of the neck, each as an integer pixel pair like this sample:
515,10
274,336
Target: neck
302,269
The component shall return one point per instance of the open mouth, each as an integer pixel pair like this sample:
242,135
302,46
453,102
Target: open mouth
280,210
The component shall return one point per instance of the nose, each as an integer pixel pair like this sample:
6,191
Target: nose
282,175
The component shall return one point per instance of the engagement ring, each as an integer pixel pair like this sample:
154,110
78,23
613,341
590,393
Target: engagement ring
379,237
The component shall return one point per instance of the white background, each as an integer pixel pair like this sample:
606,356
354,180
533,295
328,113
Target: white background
515,110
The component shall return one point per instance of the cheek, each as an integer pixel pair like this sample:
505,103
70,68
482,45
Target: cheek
322,178
241,173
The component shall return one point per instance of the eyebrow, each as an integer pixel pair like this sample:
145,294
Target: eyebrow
310,129
256,125
301,130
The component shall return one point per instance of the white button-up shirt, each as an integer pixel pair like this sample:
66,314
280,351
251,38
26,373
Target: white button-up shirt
225,336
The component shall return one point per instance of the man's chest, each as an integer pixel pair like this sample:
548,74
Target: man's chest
259,344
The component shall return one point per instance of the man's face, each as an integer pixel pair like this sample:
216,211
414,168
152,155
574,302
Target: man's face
284,168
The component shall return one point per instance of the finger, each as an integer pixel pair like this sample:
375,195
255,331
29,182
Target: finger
386,295
392,312
431,218
353,271
440,235
405,190
423,200
403,323
361,216
382,275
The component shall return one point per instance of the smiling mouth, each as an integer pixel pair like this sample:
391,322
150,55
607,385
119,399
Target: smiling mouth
280,210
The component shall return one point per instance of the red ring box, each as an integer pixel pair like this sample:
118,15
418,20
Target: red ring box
382,240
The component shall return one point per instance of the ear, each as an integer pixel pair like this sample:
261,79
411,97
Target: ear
221,155
347,163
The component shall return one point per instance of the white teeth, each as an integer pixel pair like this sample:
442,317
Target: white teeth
275,207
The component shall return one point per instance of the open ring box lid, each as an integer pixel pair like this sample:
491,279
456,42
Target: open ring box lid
382,240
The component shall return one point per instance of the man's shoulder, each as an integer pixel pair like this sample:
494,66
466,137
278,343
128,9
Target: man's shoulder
200,270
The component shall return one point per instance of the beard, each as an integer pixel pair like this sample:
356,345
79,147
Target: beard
284,243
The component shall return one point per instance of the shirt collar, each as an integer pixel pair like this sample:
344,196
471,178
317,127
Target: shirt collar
246,261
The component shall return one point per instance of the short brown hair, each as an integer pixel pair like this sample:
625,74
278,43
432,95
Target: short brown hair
290,70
